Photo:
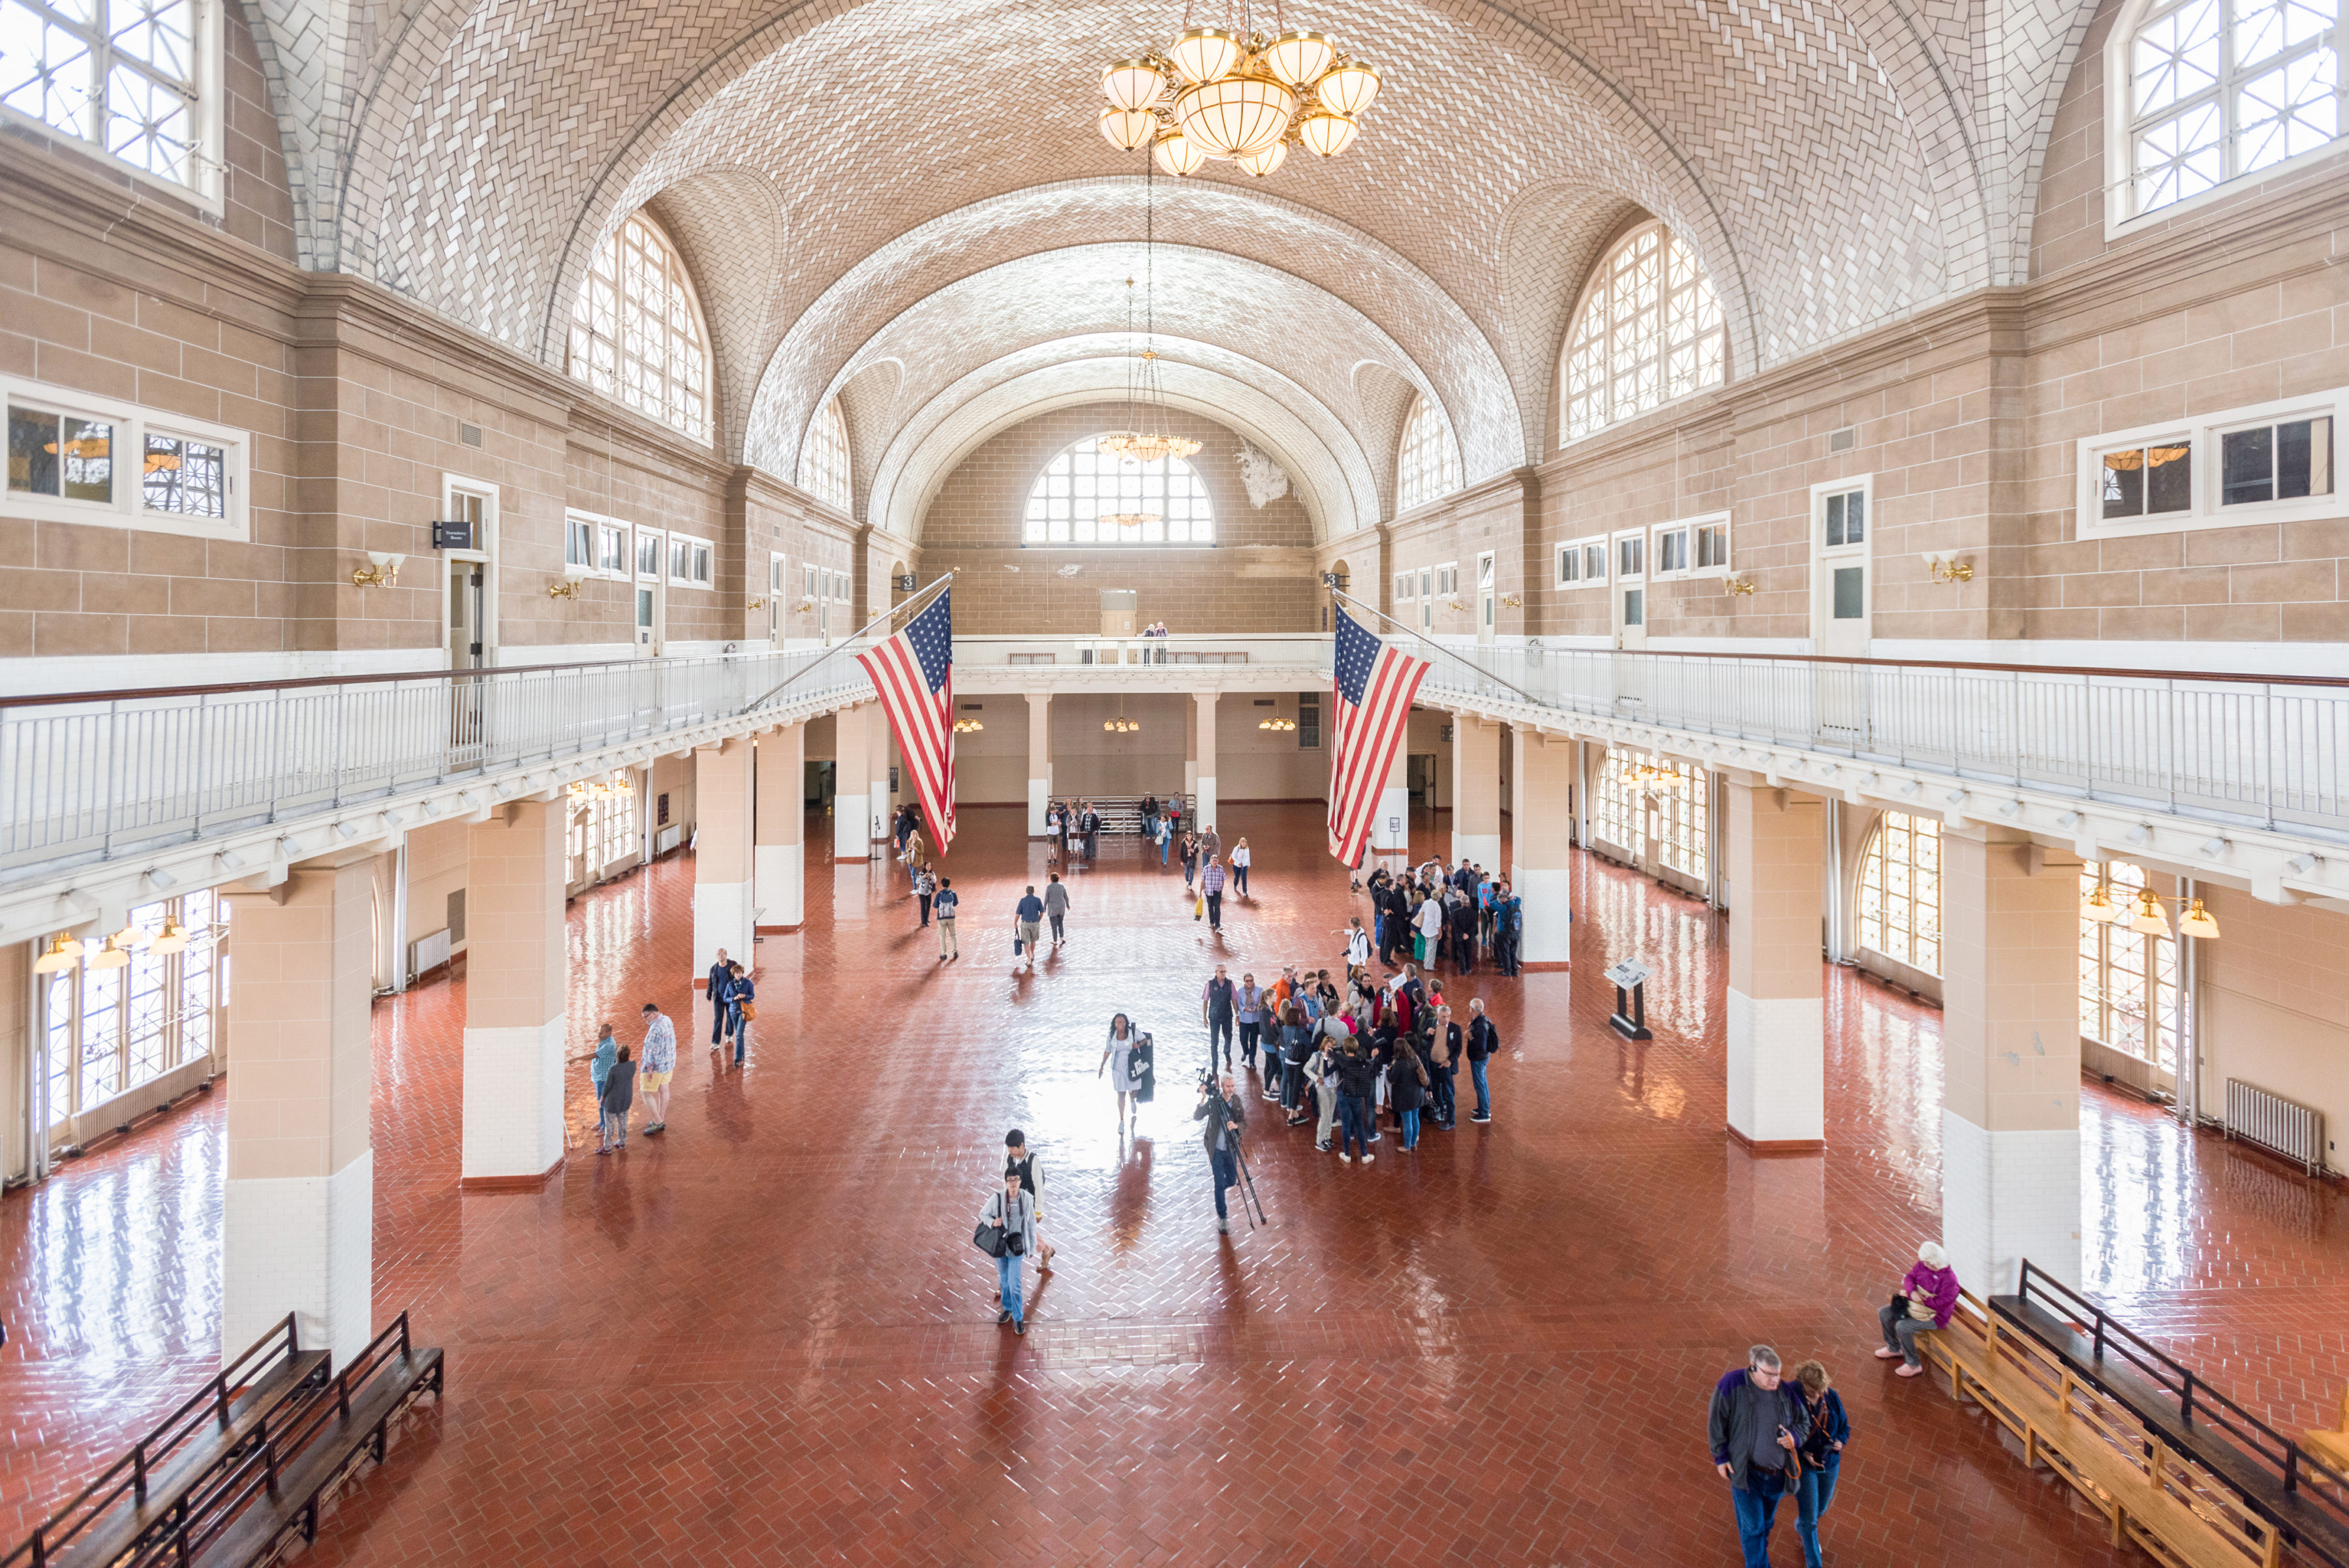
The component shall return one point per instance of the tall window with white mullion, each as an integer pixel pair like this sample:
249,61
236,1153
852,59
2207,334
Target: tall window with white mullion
1650,330
1427,464
823,466
136,80
1900,891
2129,980
1088,496
111,1030
1682,826
2222,88
1614,806
637,332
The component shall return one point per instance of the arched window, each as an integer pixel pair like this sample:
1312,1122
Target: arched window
1650,331
1428,462
1087,496
823,466
134,80
1666,818
2129,980
637,334
1900,891
2220,88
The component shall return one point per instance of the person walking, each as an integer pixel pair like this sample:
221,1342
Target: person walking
1211,843
1358,950
916,855
743,1001
619,1093
1219,1010
1756,1429
1211,885
1092,834
1028,922
1118,1059
1240,867
1407,1091
1357,1083
1928,1294
944,907
1021,1161
1249,1012
1149,814
1226,1118
1821,1453
720,972
1056,832
1190,859
1056,908
1483,1041
1011,1210
1163,831
656,1064
926,888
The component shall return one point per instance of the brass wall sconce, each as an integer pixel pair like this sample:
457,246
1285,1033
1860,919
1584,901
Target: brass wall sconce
758,604
1512,601
382,571
568,589
1741,585
1945,566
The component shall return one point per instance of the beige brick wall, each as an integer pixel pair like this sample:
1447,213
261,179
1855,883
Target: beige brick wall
974,524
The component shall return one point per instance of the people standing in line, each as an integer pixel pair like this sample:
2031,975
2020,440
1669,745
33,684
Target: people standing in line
1211,885
1357,1085
1821,1454
1296,1051
1092,834
926,888
1483,1042
1021,1161
719,971
1321,1076
1463,936
914,855
1055,830
656,1064
1248,1010
1226,1118
1429,923
1508,924
944,907
1056,908
1190,857
1756,1428
1407,1079
1219,1011
1443,1049
1118,1062
1928,1294
619,1093
1240,867
1485,889
1027,918
742,1000
1013,1210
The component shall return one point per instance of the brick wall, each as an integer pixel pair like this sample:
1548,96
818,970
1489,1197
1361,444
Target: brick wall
974,524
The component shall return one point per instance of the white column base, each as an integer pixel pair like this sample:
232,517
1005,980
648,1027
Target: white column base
1546,933
878,830
1777,1070
778,885
1390,831
513,1100
302,1244
1039,800
1205,790
2008,1195
848,838
1483,848
721,918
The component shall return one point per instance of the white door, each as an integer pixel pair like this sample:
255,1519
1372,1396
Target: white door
1842,598
1628,554
778,580
651,561
1485,595
468,610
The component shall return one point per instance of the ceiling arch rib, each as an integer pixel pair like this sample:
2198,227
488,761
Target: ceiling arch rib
1321,453
913,472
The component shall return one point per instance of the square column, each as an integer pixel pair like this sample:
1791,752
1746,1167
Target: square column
1541,774
1776,1012
723,794
1390,829
1476,791
298,1223
852,782
878,743
1191,754
1040,760
516,973
779,858
1203,734
2010,1043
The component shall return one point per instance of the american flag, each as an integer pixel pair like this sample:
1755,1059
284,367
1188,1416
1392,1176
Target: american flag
913,673
1375,686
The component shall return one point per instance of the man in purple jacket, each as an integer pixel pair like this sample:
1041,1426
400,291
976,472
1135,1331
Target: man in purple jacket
1753,1428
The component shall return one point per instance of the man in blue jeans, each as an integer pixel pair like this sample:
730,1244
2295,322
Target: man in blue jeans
720,984
1753,1428
1484,1039
1225,1118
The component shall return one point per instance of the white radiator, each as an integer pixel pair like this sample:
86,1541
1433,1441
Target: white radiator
427,953
668,838
2294,1131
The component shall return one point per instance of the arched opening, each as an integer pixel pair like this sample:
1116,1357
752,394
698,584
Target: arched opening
1900,891
1087,495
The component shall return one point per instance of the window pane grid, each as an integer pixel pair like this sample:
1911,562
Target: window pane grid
823,467
1652,331
110,1031
1900,891
635,331
1428,463
2222,88
1083,484
2129,980
121,73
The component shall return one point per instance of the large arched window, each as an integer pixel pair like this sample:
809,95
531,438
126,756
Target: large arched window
823,466
2220,89
1086,496
1427,464
1900,891
2129,980
637,334
1650,330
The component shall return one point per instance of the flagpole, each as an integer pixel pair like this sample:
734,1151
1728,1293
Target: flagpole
917,602
1416,633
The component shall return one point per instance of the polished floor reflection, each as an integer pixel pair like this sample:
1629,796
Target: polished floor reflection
766,1339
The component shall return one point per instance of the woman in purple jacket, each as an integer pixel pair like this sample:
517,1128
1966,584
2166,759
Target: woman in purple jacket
1929,1295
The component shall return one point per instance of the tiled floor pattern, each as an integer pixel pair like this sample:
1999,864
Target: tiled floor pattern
765,1339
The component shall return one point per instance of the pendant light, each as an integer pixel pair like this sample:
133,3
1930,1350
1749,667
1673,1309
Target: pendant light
2149,917
60,955
2196,922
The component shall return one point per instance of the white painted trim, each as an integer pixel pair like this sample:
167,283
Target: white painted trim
47,675
130,425
2207,659
2203,433
208,110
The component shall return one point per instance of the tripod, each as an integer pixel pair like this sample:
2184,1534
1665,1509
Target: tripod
1239,1156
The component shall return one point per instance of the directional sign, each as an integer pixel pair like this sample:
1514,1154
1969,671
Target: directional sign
1628,974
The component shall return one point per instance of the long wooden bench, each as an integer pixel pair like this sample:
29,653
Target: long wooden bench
2331,1445
2163,1501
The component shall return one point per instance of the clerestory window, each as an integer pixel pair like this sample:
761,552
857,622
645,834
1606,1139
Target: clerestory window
1427,464
823,466
2210,90
136,80
1650,330
1088,496
637,332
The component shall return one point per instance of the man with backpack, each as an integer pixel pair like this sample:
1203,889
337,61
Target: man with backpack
943,906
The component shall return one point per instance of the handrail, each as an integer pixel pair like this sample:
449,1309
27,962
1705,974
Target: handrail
2302,1473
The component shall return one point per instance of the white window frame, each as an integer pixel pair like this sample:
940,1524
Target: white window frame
132,425
607,531
659,538
207,118
697,551
2121,216
1428,466
1649,340
2202,432
578,542
1579,549
1690,528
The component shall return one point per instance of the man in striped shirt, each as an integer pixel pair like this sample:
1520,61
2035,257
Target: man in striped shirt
1211,883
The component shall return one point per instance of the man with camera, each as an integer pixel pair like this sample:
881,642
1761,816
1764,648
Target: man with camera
1011,1213
1226,1118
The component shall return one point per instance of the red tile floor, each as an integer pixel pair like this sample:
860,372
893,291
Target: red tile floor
765,1339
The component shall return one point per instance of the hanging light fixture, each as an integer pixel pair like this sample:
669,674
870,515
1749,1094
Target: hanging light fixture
2196,922
968,726
2149,917
58,956
1121,725
1145,438
2099,907
1276,724
110,956
1235,93
173,938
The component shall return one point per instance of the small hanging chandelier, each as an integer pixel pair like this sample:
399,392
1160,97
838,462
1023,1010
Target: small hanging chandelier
1121,725
1235,93
1144,439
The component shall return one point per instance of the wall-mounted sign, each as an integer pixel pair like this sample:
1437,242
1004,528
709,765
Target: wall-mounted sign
452,535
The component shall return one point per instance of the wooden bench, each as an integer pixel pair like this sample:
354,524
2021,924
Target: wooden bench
2331,1445
2167,1502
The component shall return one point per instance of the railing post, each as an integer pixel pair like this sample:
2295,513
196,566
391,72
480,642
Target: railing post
2185,1400
139,1470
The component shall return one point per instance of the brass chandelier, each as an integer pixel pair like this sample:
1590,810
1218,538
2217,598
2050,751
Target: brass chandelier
1144,439
1233,93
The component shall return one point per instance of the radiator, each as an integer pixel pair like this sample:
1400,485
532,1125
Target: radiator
2272,1122
668,838
427,953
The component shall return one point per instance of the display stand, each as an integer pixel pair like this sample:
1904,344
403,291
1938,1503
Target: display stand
1630,980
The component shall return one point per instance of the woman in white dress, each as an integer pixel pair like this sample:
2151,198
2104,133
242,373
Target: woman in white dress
1119,1055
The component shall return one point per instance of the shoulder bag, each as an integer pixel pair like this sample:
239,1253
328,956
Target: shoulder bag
990,1237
